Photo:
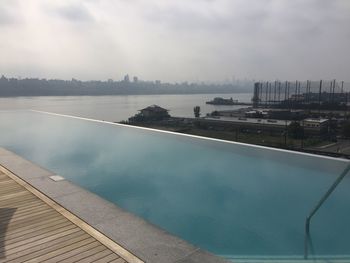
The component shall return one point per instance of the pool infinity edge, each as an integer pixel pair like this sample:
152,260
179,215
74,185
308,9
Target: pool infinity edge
133,234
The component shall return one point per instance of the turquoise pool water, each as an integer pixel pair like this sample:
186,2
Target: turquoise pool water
234,200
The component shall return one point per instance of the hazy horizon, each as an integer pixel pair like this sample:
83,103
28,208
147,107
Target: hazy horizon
175,41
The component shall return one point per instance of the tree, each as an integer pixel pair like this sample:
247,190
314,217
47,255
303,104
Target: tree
346,129
197,111
295,130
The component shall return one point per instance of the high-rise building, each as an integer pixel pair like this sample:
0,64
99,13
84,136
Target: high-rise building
126,78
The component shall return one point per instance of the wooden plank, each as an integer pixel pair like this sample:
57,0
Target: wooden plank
19,229
42,241
41,249
22,236
22,204
9,188
34,232
19,242
18,200
60,251
9,235
22,212
17,194
39,214
77,251
4,178
107,258
29,221
119,260
95,257
6,181
46,254
10,200
22,208
85,254
9,183
18,213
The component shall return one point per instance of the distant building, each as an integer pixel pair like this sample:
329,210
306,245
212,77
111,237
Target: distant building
250,125
151,113
256,98
316,126
298,97
154,111
256,114
282,114
126,78
136,79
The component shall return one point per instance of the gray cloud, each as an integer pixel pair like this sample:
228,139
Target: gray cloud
74,13
8,14
178,40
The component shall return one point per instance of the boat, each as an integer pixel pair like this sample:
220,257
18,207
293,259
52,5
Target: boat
222,101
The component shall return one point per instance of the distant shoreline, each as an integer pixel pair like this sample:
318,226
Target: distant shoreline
12,87
124,94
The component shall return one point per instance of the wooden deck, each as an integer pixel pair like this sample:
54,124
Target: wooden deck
36,229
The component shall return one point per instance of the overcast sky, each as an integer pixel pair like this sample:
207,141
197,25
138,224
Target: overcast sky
175,40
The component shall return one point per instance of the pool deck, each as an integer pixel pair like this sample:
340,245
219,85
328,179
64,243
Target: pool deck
46,220
34,229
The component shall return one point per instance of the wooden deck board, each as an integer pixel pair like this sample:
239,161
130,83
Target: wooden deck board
39,250
107,258
78,250
11,231
24,212
14,200
86,254
95,257
39,233
40,227
62,251
119,260
34,220
31,230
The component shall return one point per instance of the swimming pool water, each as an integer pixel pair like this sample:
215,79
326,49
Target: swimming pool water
231,199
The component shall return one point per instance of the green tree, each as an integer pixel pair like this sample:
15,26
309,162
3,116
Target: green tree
197,111
346,129
296,130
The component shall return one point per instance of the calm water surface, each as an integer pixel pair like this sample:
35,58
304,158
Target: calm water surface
233,200
117,108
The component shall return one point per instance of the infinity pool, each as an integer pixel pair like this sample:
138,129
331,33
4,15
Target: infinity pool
235,200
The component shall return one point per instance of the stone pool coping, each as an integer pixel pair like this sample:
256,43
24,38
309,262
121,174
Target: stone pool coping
143,239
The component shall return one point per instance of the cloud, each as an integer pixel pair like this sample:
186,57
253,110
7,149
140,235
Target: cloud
74,13
8,13
176,40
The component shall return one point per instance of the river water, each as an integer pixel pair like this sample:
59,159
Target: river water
118,108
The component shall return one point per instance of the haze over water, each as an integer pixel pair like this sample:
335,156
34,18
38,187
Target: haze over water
118,108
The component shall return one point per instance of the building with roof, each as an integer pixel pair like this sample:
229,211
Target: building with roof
315,126
151,113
